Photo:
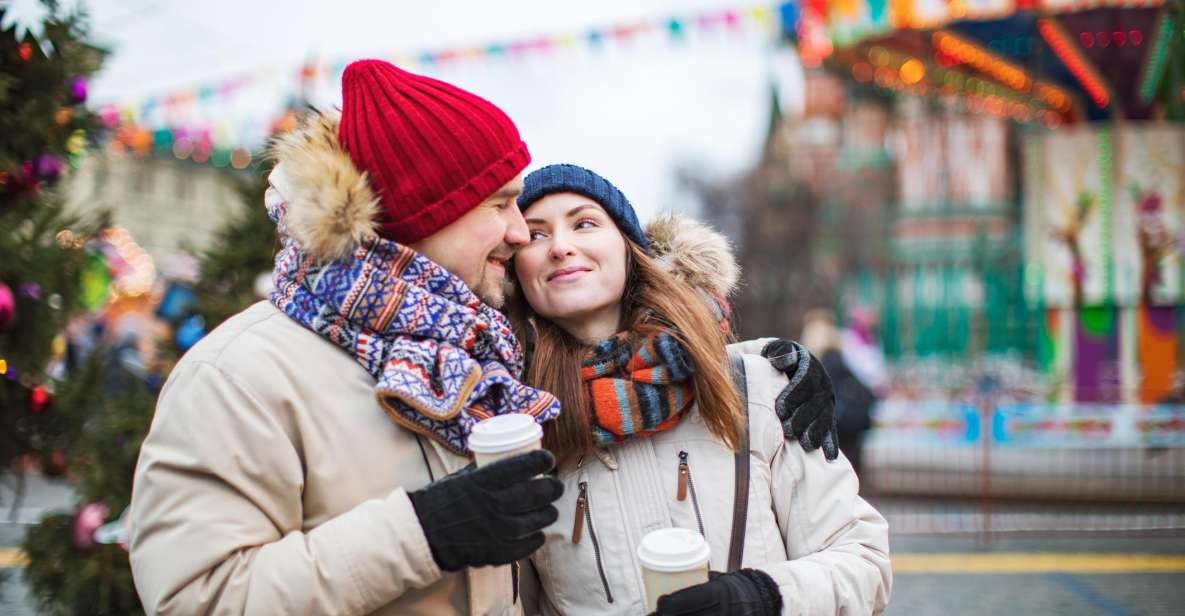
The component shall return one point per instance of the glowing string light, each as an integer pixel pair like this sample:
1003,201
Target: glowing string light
912,71
1154,68
1105,171
982,60
1079,67
980,95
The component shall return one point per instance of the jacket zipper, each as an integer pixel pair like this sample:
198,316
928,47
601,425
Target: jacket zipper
584,518
687,485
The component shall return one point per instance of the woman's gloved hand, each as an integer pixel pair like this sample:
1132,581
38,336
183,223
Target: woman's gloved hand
493,515
807,405
748,592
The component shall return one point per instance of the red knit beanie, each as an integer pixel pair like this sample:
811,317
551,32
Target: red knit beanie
431,150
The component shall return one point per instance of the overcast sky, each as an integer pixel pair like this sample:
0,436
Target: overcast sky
632,112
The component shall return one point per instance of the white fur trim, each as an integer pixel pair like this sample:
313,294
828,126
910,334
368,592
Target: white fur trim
694,253
330,206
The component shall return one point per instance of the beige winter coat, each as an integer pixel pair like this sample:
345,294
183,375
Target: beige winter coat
826,547
271,482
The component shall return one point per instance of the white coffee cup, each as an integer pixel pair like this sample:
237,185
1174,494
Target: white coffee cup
503,436
672,559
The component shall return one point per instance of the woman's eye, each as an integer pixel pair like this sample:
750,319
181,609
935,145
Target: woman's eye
585,224
535,235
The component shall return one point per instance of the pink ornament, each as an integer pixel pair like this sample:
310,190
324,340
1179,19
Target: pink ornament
7,306
78,90
88,520
109,115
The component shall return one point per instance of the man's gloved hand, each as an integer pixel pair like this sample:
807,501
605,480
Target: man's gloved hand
748,592
807,405
493,515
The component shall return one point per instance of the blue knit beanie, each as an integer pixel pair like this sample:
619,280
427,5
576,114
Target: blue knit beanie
575,179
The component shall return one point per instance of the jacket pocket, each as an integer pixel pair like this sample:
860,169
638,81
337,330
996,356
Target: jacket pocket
583,520
687,485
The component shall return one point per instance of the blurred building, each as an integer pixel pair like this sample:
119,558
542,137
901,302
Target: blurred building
172,208
815,208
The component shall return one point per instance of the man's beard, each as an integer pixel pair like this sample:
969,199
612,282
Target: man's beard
490,290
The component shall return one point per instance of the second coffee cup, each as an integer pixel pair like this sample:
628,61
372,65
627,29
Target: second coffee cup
672,559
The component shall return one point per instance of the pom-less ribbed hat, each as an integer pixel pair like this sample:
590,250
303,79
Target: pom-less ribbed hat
431,150
563,178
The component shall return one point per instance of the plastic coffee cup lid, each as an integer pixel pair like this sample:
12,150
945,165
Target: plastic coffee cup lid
673,549
504,433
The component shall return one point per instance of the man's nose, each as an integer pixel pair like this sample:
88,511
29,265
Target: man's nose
517,233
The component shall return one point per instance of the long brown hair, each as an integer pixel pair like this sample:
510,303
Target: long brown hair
653,298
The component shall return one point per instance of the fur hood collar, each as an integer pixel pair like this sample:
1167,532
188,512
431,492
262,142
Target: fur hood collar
331,209
330,205
694,252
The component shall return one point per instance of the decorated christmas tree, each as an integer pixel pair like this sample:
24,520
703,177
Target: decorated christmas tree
77,561
43,84
236,269
82,410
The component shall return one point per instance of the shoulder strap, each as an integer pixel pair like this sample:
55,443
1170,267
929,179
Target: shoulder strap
740,499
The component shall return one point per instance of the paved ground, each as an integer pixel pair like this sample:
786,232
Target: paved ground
16,515
1051,593
1027,582
1085,575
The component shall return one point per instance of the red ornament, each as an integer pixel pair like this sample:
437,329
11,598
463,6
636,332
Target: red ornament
38,398
26,51
20,181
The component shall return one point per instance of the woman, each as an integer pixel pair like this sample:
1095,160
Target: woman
627,327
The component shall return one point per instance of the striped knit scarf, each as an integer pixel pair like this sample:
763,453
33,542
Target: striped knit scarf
443,360
638,385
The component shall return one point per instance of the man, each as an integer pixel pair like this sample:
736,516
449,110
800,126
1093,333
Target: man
277,476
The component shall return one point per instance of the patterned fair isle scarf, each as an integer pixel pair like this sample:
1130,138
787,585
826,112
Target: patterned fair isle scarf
637,385
443,359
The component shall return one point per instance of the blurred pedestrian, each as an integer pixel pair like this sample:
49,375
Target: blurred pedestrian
862,352
854,398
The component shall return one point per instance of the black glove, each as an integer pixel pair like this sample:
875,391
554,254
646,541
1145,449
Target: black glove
807,405
493,515
748,592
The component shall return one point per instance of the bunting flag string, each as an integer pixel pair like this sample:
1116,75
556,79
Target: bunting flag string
166,124
158,123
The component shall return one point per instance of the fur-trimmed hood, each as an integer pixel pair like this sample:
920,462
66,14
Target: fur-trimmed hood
330,209
330,205
694,252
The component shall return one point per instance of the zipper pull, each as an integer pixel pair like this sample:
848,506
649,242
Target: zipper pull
581,503
681,493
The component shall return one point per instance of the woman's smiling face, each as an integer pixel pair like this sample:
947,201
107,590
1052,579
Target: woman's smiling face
573,269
